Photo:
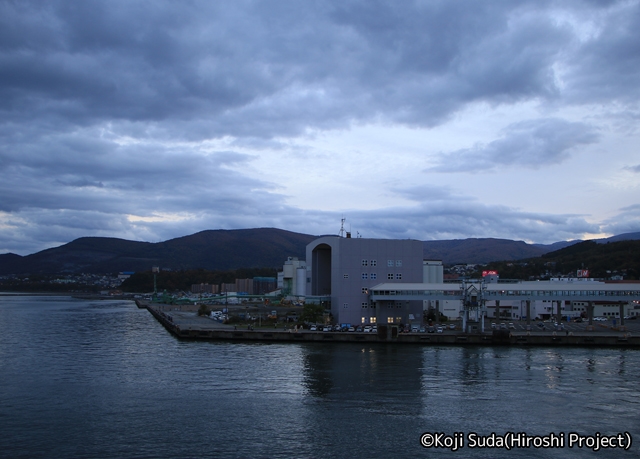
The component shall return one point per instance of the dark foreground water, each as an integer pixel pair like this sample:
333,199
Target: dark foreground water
103,379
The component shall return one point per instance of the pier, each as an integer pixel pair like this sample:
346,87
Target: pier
188,325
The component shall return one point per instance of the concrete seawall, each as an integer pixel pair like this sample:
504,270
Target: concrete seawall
186,325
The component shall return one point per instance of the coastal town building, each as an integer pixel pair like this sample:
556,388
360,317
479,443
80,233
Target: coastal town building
244,286
205,288
367,281
547,309
264,285
228,288
343,269
540,299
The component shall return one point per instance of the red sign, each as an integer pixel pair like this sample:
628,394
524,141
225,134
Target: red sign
583,273
489,273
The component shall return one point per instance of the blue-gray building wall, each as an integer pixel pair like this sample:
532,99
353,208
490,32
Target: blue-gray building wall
345,268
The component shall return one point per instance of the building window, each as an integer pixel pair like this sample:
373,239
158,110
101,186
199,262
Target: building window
399,319
374,276
398,263
399,276
345,305
365,263
390,263
372,320
389,320
345,276
390,276
365,290
365,275
363,320
374,262
365,305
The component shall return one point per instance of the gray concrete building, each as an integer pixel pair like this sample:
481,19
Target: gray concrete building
343,269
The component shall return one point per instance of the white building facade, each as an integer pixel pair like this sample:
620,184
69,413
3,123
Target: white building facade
292,278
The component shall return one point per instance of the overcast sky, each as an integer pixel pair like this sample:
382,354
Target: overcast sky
149,120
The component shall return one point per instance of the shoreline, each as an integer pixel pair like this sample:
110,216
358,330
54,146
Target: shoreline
76,295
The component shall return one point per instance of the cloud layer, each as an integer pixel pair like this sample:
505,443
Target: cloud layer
152,120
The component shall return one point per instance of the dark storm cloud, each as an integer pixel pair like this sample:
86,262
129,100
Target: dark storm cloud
276,68
531,144
606,65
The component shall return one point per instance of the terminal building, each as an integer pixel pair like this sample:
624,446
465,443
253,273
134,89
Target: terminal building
384,281
342,270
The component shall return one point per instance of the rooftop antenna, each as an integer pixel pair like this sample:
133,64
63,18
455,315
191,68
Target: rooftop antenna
342,227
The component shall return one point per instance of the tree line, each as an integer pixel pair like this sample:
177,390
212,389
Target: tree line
142,282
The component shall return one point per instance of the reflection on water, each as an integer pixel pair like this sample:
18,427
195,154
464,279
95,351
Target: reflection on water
317,370
104,379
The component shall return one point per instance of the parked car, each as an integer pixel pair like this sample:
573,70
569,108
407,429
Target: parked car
313,328
439,330
326,328
452,326
511,325
493,325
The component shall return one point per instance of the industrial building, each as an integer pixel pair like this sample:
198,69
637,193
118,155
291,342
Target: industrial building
475,297
341,270
367,281
292,278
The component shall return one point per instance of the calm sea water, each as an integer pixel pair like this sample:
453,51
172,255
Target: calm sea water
103,379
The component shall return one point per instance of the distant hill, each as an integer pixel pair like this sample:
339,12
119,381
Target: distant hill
556,245
212,250
246,248
619,237
480,251
602,260
599,258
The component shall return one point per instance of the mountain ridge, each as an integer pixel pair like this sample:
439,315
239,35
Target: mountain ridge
242,248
